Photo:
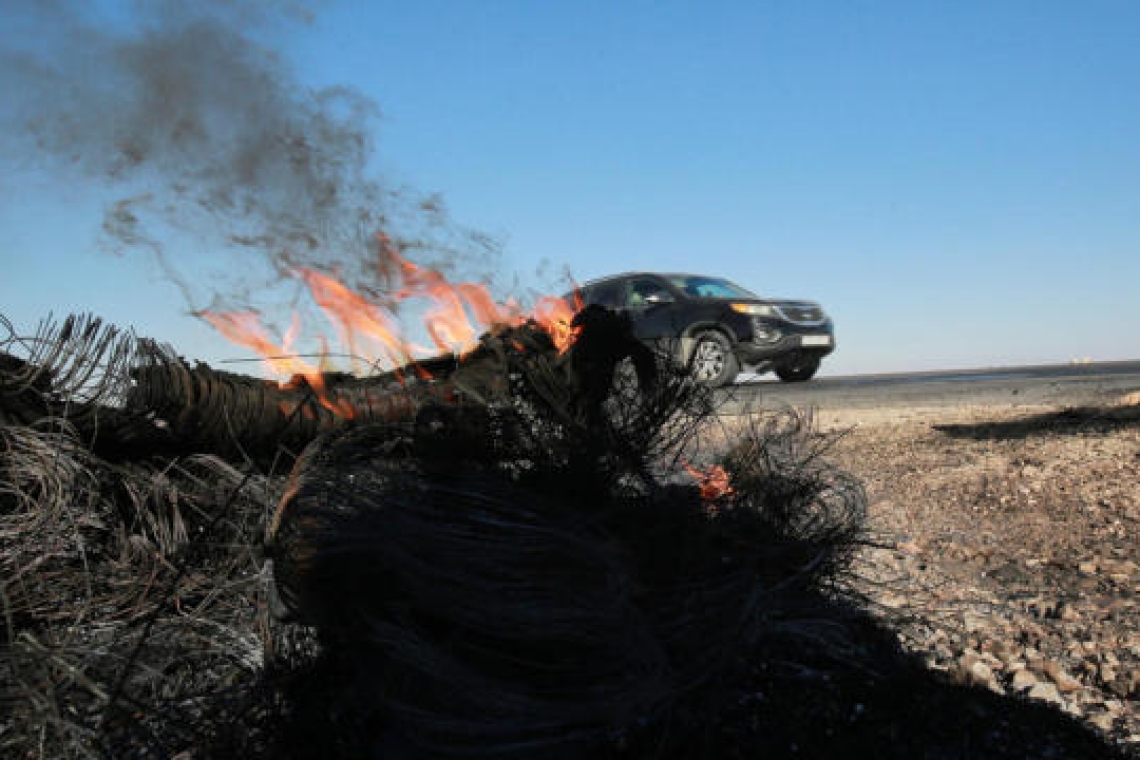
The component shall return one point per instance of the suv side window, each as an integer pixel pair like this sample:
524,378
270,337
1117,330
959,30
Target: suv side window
640,289
608,294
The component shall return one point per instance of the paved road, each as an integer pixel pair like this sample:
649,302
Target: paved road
1066,384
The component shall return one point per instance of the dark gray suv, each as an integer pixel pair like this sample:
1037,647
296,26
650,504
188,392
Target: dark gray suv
717,328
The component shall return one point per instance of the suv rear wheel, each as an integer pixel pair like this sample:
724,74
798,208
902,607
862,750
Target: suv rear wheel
798,371
713,362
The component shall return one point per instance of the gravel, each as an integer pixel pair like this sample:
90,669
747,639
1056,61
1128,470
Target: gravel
1008,553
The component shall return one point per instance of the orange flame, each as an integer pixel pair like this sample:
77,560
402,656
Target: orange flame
713,483
245,329
555,315
447,319
456,315
355,316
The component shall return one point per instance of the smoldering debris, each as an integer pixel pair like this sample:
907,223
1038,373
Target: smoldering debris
514,564
514,568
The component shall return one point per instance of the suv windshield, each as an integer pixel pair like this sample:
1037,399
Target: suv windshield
707,287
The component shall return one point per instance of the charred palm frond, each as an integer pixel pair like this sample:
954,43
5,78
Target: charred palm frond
24,392
129,397
469,611
51,515
247,419
607,410
89,553
508,558
779,469
761,562
63,368
541,575
83,360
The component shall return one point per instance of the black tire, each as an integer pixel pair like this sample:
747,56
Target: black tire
799,371
713,362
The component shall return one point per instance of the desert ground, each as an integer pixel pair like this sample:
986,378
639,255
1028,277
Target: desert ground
1007,550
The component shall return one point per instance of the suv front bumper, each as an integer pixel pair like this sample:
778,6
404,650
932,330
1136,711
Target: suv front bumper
794,341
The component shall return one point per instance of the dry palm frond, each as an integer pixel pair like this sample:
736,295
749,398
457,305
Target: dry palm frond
51,515
82,360
90,553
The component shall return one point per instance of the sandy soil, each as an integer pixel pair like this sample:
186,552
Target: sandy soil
1010,554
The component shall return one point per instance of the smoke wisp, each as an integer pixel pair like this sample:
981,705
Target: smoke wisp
193,128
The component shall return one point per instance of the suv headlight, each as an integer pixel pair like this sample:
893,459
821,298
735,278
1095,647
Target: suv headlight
755,309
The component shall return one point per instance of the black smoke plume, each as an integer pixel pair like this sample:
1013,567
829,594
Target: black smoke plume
194,129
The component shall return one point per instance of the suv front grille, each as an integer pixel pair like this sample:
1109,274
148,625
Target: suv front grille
802,313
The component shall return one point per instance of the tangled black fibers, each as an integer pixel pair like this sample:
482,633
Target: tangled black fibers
556,586
468,611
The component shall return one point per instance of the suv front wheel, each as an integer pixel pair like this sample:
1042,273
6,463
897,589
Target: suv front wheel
713,362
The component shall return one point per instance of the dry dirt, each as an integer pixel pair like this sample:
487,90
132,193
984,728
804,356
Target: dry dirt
1010,555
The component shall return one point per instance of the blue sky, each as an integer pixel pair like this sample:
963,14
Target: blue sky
958,183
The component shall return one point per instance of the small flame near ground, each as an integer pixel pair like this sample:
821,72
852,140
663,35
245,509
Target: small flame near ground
456,315
713,482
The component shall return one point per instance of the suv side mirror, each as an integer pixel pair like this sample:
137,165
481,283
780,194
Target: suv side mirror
658,298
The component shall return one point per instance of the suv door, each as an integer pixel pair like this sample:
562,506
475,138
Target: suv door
653,308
